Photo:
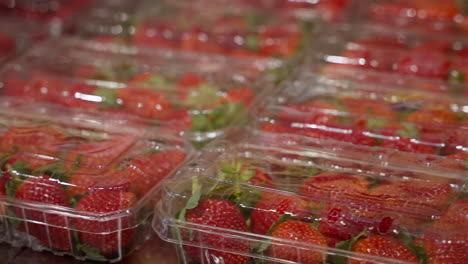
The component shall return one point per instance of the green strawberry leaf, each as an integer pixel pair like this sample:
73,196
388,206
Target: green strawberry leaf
254,19
409,131
104,73
196,194
347,245
108,97
376,123
462,6
18,171
418,250
54,170
13,218
264,245
252,42
228,113
90,252
200,123
456,77
202,95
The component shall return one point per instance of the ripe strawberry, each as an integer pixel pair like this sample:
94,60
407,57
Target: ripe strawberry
432,116
162,34
86,181
98,154
221,214
424,64
144,102
243,95
298,232
330,186
246,174
445,241
413,195
45,190
191,41
107,236
78,95
381,247
41,140
7,45
145,171
279,41
271,207
186,82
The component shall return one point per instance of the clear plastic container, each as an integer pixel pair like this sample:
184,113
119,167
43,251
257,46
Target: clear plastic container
240,32
433,16
285,199
56,14
15,36
79,183
204,94
382,54
363,113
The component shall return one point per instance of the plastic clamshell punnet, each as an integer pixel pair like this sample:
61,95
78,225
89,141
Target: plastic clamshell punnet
288,199
199,95
381,117
380,54
79,183
239,32
435,16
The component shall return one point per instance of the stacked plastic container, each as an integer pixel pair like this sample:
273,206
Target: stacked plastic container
359,155
80,183
199,95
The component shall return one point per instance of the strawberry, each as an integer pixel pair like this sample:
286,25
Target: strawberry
79,95
98,154
45,190
191,41
432,116
143,102
163,34
186,82
7,45
279,41
40,140
445,241
145,171
246,174
298,232
413,194
380,246
83,181
107,236
218,213
330,186
243,95
424,64
271,207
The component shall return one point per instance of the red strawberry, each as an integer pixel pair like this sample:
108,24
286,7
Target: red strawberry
39,140
79,95
85,181
178,119
7,45
271,207
246,174
243,95
330,186
98,154
221,214
446,240
298,232
162,34
107,236
192,41
145,171
432,116
424,64
45,190
279,41
379,246
144,103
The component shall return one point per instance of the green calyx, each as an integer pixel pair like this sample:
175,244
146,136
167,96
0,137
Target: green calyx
409,130
108,98
347,246
217,118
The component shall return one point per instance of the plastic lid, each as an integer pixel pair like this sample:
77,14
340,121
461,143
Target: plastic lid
245,32
199,94
283,198
378,116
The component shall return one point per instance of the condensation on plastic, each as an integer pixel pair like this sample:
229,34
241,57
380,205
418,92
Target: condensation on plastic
379,54
288,165
365,113
241,32
80,183
203,94
433,16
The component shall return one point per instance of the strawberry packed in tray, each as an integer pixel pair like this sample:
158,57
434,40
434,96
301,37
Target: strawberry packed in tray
447,16
15,36
311,202
248,32
369,115
382,54
79,183
198,94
